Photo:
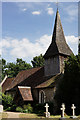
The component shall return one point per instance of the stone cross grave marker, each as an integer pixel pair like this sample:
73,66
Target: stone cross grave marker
47,113
73,111
46,107
63,110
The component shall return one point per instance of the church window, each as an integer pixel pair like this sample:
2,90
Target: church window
41,96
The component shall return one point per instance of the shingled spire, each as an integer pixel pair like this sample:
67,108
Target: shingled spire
58,44
58,50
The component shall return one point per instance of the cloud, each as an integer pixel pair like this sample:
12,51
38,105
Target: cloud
72,39
50,11
24,9
24,48
36,12
72,11
73,43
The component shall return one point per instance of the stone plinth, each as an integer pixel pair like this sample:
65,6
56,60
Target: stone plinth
47,114
1,108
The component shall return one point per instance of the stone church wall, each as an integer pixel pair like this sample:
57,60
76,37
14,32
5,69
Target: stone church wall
49,94
35,94
62,59
52,66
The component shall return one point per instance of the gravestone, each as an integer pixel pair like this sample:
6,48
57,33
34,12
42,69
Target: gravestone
73,111
47,114
1,108
63,111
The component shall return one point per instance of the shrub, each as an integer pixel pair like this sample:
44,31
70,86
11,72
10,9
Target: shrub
24,107
29,108
19,109
8,109
13,108
7,100
25,111
39,108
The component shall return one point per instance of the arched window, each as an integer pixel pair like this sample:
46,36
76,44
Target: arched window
41,96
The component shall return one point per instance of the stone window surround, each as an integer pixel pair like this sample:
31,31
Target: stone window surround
40,95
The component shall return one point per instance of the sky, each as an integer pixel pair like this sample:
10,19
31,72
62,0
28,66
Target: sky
27,28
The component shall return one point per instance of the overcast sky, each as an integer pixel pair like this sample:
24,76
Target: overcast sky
27,28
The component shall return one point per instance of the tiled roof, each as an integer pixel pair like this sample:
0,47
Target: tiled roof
36,79
27,75
58,44
24,78
25,93
6,84
50,82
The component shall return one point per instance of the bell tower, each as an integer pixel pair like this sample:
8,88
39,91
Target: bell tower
58,50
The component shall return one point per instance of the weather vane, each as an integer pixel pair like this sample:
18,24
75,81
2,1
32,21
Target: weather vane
57,4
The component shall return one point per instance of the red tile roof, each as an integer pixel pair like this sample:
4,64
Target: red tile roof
25,93
6,84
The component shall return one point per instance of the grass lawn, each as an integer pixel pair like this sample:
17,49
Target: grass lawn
27,115
3,115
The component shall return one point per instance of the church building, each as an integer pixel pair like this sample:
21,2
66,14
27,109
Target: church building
39,84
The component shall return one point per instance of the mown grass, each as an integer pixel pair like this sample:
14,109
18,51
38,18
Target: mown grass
3,115
29,115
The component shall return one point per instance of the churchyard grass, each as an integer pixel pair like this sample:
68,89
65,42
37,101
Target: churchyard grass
30,115
3,115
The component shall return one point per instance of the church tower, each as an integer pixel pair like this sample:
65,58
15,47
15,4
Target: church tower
58,50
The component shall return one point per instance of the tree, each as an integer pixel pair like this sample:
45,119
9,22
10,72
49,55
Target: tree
12,69
38,61
68,90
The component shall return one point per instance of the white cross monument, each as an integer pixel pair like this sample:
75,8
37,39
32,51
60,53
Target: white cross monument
63,110
73,111
47,113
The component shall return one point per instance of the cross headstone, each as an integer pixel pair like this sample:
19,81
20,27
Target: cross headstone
46,106
73,111
47,114
63,110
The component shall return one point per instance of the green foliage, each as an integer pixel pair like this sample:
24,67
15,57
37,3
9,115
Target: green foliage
12,69
19,109
38,61
68,91
39,109
0,96
8,109
7,100
29,108
26,109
